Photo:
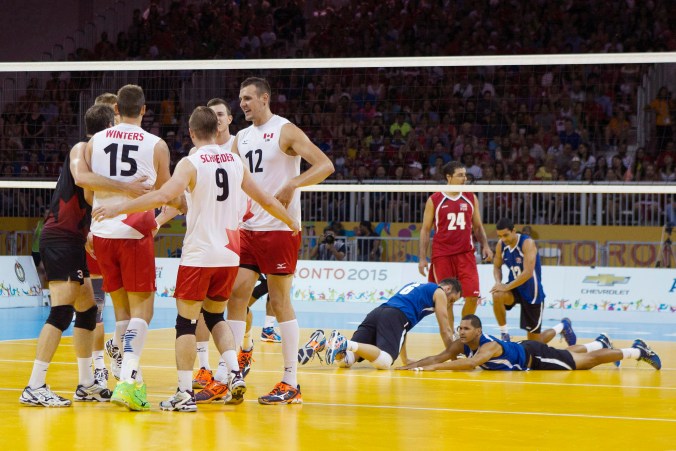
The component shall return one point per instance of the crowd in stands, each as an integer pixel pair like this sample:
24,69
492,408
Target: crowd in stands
529,123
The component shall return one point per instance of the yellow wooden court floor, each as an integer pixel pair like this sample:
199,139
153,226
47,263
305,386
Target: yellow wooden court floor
633,407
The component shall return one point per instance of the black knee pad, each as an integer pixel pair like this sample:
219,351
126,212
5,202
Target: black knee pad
211,319
87,319
260,290
185,326
61,316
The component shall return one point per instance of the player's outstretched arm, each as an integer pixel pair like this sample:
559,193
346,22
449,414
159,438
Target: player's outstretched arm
441,306
184,176
450,353
480,232
484,354
267,202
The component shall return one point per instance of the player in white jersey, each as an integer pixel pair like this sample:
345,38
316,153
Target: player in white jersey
204,375
272,147
124,245
213,180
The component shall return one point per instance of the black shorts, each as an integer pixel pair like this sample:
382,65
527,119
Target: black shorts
385,328
543,357
65,263
531,314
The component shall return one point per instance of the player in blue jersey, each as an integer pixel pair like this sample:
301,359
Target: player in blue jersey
519,254
489,353
380,337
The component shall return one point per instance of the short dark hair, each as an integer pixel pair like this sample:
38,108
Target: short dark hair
99,117
107,98
453,283
130,100
261,84
203,122
219,101
474,320
450,167
504,223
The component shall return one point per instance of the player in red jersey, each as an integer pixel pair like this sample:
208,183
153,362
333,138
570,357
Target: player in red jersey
455,217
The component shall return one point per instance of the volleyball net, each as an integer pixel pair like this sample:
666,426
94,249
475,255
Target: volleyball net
389,124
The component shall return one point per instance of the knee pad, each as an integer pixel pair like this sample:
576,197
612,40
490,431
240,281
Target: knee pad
260,290
211,319
87,319
185,326
61,316
383,362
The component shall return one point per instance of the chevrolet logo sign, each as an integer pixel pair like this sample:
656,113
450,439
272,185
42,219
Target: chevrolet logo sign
606,280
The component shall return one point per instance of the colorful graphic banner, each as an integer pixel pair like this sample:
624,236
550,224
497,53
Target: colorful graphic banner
19,282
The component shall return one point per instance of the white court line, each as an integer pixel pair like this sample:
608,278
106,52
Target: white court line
353,373
445,409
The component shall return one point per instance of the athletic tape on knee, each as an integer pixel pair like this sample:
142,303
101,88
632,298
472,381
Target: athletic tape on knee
185,326
87,319
211,319
383,362
60,316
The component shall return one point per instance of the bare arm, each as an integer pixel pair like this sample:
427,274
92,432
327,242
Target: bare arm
85,178
441,312
497,263
428,222
450,353
482,356
265,200
480,232
161,161
184,176
294,141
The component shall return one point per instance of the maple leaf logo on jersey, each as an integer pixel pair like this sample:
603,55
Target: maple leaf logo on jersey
268,136
143,222
233,240
72,216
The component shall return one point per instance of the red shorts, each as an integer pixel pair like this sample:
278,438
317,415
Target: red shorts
274,252
194,283
462,267
93,265
126,263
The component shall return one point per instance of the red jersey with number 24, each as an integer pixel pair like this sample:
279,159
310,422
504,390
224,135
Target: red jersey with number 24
452,224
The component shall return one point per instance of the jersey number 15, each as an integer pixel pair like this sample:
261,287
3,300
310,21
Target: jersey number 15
111,149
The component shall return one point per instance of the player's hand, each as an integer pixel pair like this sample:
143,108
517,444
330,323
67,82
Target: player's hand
139,187
105,212
422,267
89,245
285,194
499,287
295,227
487,254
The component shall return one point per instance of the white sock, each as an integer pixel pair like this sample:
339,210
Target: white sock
238,328
38,375
84,371
120,329
184,380
97,357
134,339
203,354
222,372
558,328
269,321
504,329
290,333
352,346
230,359
630,353
593,346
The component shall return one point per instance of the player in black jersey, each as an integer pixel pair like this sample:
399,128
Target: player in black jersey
62,247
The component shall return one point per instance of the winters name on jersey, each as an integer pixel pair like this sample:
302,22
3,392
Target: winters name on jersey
127,136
